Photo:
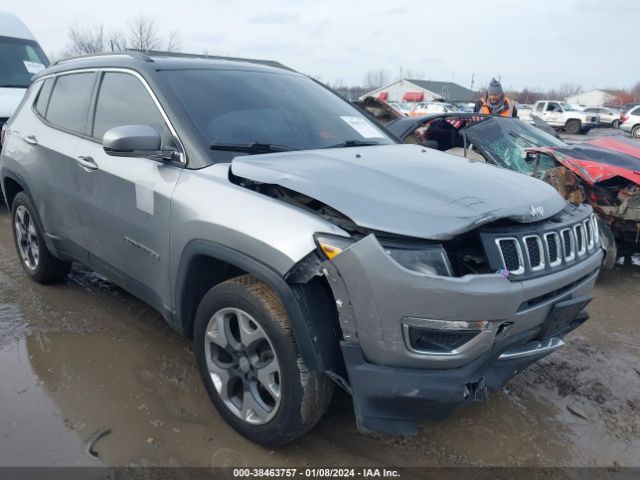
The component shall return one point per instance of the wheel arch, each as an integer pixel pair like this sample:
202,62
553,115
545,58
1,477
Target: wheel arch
204,264
12,184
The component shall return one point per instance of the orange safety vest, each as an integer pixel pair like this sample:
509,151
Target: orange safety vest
505,112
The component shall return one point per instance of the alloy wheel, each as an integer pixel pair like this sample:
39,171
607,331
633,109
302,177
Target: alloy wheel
243,366
27,238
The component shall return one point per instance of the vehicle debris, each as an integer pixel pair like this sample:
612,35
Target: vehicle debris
94,439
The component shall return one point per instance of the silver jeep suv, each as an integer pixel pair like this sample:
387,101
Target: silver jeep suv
295,241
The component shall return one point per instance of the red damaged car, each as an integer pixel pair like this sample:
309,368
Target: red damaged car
605,173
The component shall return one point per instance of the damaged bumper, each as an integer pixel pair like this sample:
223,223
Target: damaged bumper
419,346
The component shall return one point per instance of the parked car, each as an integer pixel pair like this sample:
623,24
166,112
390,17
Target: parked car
524,112
630,121
20,58
601,172
561,115
607,116
293,239
403,107
424,108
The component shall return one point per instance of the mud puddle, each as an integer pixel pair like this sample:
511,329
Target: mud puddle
84,357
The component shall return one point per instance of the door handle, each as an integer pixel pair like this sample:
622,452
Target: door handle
31,139
87,163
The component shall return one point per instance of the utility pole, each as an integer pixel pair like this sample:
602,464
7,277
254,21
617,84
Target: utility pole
473,78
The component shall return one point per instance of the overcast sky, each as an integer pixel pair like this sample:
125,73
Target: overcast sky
543,43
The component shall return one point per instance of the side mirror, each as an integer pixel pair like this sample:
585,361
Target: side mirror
132,141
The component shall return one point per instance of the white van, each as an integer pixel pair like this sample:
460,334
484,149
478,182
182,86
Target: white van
20,58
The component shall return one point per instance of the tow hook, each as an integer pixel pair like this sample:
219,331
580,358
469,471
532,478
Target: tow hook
477,391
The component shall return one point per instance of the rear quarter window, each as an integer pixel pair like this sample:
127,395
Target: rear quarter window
69,103
43,96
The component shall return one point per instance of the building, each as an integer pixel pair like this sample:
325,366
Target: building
593,98
408,90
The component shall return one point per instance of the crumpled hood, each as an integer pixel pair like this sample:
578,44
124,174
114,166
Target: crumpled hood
9,100
405,189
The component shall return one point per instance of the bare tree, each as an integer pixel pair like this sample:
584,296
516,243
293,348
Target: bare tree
376,78
117,41
567,90
143,34
83,41
174,42
413,74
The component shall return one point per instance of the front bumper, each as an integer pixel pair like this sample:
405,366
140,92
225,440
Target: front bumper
392,400
393,387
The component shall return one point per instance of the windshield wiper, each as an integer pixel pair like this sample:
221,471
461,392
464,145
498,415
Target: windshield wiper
251,148
14,86
354,143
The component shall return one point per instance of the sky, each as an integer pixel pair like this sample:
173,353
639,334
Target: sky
543,43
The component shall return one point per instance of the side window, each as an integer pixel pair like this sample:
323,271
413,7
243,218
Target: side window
553,107
69,103
540,107
636,111
123,100
43,96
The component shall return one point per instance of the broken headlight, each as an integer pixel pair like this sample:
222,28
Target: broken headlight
427,260
424,259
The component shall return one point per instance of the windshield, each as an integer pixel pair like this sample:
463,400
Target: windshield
505,140
19,61
239,107
568,108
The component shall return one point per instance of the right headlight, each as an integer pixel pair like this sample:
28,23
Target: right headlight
428,260
424,259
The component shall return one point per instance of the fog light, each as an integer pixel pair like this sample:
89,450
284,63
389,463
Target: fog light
441,336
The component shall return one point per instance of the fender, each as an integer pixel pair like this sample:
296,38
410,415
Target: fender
303,329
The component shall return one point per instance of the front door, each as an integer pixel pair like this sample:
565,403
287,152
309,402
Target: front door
130,197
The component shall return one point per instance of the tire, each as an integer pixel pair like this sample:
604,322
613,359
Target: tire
615,124
572,126
33,253
608,242
294,399
635,131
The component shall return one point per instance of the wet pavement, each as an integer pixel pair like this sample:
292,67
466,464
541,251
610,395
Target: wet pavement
86,367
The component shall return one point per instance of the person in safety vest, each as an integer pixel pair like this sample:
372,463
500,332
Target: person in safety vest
496,103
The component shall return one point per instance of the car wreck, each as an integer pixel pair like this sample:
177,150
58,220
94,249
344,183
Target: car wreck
604,173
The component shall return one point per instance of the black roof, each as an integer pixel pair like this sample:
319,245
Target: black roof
155,60
447,90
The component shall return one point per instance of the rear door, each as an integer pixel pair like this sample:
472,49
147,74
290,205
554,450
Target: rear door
50,132
129,198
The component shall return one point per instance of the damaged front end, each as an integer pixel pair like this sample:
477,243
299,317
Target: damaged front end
426,326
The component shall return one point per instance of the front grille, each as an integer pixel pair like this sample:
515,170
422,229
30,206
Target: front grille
511,254
553,248
534,252
554,244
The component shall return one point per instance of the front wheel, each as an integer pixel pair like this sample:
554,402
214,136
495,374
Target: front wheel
573,126
635,131
249,362
34,255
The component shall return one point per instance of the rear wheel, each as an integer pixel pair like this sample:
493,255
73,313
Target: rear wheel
34,256
615,124
250,365
573,126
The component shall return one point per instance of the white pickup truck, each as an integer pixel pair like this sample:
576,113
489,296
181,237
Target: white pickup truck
561,115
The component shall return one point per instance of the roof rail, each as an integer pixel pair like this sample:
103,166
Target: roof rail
128,53
160,53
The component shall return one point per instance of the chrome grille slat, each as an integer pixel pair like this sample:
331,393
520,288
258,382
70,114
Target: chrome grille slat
531,253
535,254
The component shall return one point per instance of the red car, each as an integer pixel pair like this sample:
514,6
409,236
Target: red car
605,173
